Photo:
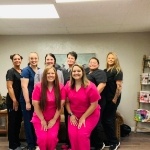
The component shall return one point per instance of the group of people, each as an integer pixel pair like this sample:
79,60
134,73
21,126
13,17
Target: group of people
89,97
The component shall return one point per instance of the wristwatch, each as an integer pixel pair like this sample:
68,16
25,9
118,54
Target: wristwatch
70,114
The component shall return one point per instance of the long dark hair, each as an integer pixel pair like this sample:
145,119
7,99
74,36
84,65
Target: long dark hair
44,88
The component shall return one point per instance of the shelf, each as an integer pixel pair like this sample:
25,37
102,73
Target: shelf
142,115
141,129
146,59
3,131
144,102
143,121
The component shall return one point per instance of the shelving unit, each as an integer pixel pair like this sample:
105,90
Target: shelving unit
142,114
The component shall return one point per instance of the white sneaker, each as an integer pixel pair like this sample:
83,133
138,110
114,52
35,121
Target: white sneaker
114,147
102,147
37,148
18,148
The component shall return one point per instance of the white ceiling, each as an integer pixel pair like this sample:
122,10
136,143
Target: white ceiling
103,16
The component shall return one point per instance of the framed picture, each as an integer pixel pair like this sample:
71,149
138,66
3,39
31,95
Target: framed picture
83,59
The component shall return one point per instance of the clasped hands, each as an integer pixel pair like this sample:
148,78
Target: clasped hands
77,122
46,125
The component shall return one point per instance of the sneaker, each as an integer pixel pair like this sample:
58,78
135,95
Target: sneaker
37,148
29,148
106,144
18,148
103,146
114,147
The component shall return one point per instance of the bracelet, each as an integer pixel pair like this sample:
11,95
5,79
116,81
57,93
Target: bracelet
70,114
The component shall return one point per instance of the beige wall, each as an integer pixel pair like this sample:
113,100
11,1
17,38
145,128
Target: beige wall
130,48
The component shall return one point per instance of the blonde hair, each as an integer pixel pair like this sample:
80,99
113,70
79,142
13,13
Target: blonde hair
34,53
116,65
30,56
84,80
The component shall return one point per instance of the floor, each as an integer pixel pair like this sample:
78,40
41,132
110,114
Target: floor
135,141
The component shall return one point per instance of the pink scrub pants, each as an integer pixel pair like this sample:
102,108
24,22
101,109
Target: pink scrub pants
47,140
80,138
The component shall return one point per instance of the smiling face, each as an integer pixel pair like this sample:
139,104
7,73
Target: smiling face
71,60
49,60
51,75
33,59
77,73
93,64
111,60
16,60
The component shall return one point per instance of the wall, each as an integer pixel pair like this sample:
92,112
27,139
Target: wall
130,48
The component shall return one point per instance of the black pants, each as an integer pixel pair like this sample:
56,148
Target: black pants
98,136
14,125
109,117
66,123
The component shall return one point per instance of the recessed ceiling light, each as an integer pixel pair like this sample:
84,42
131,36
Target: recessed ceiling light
69,1
28,11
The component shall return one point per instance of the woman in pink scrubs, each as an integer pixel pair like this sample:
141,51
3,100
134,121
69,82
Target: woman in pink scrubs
48,99
83,109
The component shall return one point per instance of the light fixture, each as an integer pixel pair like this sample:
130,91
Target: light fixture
28,11
69,1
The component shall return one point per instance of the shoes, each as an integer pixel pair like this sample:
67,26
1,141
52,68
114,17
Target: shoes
106,144
37,148
114,147
18,148
103,146
23,147
29,148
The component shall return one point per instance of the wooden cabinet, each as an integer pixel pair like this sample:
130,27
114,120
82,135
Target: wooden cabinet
4,129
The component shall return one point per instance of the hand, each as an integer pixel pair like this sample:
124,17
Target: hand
51,123
28,106
74,120
114,101
15,105
81,122
44,125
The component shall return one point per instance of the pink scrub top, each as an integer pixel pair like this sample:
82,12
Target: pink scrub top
50,109
80,100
